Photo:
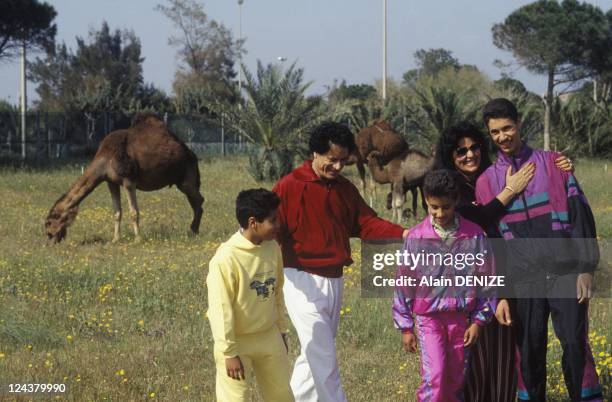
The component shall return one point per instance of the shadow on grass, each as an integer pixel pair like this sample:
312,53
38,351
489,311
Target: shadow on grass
93,240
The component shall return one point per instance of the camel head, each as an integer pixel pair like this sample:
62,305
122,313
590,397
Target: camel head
383,125
57,223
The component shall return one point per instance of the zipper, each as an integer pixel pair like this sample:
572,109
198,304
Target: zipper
516,169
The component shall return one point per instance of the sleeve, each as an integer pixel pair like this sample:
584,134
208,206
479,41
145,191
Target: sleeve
281,212
584,232
484,215
403,300
486,301
280,298
369,226
484,193
221,294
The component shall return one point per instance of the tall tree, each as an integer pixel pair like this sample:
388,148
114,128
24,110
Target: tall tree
207,50
25,21
344,91
601,64
553,39
113,58
103,74
430,62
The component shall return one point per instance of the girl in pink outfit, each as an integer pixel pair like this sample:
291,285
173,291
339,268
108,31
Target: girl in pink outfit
448,314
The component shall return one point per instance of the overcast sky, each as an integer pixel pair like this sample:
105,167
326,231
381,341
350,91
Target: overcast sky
330,39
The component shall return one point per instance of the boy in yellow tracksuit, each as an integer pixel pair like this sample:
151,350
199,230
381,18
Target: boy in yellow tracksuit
245,304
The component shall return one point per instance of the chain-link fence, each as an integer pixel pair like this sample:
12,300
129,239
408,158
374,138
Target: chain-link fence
51,135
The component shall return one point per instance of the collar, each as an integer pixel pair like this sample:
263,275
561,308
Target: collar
523,155
445,233
306,173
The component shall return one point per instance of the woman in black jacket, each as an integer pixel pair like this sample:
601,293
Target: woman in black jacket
463,148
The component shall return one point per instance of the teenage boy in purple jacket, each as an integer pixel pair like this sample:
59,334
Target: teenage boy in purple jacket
558,259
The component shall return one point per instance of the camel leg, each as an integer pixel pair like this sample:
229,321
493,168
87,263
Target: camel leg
362,175
390,201
134,215
195,200
423,203
116,197
415,196
372,193
399,197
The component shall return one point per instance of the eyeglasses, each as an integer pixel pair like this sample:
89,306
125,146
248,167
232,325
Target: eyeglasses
464,150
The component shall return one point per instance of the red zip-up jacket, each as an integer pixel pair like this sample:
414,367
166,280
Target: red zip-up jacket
317,219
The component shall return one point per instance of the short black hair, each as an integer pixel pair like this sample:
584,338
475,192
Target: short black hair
441,183
327,133
257,202
499,108
449,141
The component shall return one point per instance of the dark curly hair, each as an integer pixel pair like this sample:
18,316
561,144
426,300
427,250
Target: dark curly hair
449,140
327,133
442,183
258,203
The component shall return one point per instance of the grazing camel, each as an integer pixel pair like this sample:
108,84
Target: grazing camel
147,157
405,174
378,137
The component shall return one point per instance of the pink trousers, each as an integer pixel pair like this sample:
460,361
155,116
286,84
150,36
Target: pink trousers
444,359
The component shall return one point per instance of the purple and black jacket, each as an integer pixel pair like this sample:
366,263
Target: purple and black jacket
552,213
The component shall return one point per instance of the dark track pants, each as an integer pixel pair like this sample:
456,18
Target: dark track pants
491,376
570,322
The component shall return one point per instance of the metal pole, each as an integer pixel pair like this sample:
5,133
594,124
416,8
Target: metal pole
23,100
222,136
240,63
384,61
240,53
49,136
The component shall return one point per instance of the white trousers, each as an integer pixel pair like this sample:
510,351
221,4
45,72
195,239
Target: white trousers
313,303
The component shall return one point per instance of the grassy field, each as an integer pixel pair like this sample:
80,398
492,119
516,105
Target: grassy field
127,321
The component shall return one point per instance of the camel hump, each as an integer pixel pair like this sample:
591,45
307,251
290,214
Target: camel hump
114,148
123,164
147,119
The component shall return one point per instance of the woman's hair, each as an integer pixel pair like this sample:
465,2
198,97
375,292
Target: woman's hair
449,140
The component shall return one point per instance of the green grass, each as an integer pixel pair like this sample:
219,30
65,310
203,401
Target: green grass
126,321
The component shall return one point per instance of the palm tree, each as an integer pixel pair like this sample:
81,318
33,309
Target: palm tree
360,113
436,109
583,126
274,117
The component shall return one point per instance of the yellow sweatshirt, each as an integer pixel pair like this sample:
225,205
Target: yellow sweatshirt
245,291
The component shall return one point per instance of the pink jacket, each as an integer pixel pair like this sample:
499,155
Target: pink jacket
479,303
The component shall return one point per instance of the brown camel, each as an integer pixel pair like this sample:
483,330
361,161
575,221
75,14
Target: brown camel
405,174
378,137
147,157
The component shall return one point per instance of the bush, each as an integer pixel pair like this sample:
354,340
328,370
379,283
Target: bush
270,164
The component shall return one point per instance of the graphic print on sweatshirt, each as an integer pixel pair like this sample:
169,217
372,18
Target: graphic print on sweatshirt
264,285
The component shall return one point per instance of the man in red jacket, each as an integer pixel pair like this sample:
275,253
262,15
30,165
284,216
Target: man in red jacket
320,210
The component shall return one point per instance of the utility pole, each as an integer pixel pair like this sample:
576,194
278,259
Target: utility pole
240,53
23,100
239,67
384,57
